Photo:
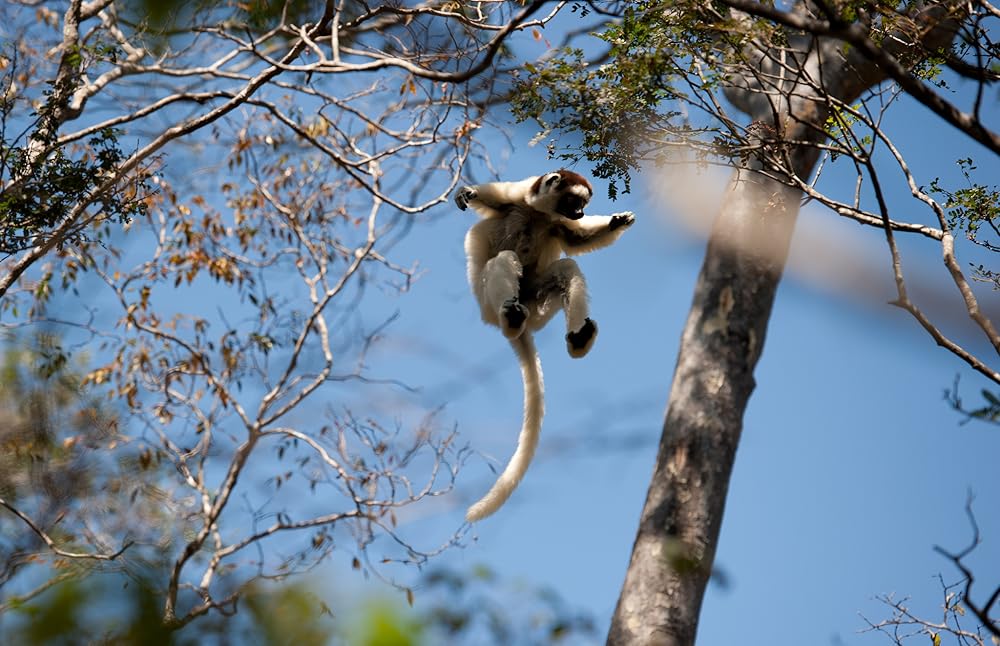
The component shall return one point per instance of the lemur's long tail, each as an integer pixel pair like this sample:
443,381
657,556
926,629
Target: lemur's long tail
527,441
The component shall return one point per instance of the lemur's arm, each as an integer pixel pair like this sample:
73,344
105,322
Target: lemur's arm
488,198
592,232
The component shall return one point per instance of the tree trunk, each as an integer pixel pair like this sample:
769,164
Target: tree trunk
724,335
679,527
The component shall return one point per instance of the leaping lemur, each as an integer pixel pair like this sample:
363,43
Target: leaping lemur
520,279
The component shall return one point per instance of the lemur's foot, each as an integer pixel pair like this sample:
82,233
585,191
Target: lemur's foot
512,318
465,195
623,219
580,342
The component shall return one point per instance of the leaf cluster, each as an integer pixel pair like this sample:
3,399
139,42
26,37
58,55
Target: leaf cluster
274,614
44,188
972,206
48,418
625,109
974,209
987,411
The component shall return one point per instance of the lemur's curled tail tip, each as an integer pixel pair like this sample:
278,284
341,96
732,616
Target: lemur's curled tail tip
527,441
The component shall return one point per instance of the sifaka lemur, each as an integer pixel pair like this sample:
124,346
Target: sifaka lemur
520,279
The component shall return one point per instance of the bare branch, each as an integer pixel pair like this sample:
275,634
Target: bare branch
857,35
51,544
983,611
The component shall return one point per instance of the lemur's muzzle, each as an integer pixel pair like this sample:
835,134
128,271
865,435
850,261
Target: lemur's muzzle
571,206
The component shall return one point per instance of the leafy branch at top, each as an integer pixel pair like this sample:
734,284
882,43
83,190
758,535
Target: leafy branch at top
42,182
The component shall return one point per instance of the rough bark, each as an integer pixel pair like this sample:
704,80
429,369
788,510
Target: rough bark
722,340
724,335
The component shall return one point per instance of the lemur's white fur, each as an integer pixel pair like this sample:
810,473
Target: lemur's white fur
520,279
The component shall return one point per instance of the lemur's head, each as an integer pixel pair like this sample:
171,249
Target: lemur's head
563,193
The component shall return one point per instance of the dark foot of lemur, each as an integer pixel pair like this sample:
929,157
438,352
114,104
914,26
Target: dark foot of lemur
512,318
580,342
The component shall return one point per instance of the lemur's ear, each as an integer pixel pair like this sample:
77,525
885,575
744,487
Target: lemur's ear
552,179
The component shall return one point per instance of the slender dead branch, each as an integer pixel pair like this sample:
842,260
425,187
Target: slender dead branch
983,612
55,549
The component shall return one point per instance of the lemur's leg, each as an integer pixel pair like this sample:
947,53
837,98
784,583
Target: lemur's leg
501,280
564,280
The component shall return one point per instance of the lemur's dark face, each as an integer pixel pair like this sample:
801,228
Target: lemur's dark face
574,193
571,205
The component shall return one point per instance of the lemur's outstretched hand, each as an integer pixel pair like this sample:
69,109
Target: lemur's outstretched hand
623,219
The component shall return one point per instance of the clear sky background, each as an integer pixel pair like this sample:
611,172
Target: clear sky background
851,467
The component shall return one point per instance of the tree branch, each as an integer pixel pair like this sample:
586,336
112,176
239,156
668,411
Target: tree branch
857,35
97,556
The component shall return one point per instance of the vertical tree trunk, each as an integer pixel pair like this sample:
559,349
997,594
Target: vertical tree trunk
724,335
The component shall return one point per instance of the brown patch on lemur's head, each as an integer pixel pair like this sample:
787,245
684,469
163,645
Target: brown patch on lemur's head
571,179
563,192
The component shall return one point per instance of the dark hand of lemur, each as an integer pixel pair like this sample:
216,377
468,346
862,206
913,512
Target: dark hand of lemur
465,195
618,220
